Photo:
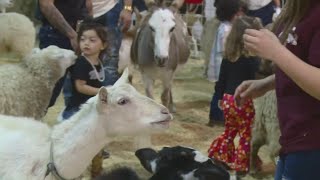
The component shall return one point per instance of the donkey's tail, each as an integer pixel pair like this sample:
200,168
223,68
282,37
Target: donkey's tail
5,4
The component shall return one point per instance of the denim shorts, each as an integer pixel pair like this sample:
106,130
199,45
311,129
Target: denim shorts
299,166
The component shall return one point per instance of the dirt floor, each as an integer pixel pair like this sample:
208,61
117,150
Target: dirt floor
192,94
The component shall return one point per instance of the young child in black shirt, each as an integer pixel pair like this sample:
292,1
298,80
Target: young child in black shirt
237,66
87,74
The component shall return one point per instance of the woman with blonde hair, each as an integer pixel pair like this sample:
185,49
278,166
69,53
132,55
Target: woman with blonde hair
237,66
296,80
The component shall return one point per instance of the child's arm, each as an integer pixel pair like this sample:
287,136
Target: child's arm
277,3
82,87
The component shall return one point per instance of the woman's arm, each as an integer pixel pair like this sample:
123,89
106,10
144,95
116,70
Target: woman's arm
57,20
265,44
89,7
82,87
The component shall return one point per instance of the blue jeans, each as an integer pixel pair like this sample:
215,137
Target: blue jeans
216,113
111,21
299,166
265,13
50,36
111,58
67,113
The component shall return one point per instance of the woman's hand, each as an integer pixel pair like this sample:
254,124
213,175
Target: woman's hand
252,89
125,20
262,43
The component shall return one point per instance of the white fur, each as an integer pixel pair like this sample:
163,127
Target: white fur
199,157
5,4
17,32
162,20
189,176
25,143
265,129
26,87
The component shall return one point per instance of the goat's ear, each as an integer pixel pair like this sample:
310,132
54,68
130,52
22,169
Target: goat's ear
124,79
103,95
147,157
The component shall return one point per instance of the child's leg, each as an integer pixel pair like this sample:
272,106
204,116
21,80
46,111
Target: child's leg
222,148
215,115
242,152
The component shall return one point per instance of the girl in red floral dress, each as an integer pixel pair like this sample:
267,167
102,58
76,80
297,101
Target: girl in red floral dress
237,66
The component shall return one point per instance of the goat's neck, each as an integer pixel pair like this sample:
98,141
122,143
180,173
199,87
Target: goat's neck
76,142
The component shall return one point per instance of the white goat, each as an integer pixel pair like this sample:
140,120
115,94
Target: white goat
28,146
17,32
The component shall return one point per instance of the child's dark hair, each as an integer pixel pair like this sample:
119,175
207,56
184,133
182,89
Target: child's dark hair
227,9
234,47
90,24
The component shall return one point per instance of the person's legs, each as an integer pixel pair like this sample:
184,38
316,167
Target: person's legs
299,166
49,36
68,112
111,58
279,169
215,114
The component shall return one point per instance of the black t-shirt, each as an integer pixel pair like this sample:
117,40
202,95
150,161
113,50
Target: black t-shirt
232,74
82,70
71,10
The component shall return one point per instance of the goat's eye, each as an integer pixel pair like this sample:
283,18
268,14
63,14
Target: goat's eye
123,101
172,29
151,28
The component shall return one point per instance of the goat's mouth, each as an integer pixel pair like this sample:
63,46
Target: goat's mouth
164,123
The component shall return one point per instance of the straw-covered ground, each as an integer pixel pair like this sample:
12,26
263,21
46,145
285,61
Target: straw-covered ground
192,94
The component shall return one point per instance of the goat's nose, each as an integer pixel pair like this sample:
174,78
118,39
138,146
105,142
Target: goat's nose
165,111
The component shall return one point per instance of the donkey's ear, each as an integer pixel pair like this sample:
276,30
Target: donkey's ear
103,95
151,5
176,5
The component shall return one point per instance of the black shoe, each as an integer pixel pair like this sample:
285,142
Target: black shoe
105,154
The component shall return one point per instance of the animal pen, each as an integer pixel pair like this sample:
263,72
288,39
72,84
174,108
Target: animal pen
193,13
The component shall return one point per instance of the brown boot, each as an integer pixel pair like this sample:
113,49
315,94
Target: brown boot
96,167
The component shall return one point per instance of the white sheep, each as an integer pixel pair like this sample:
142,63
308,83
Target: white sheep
26,87
28,146
265,129
17,32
